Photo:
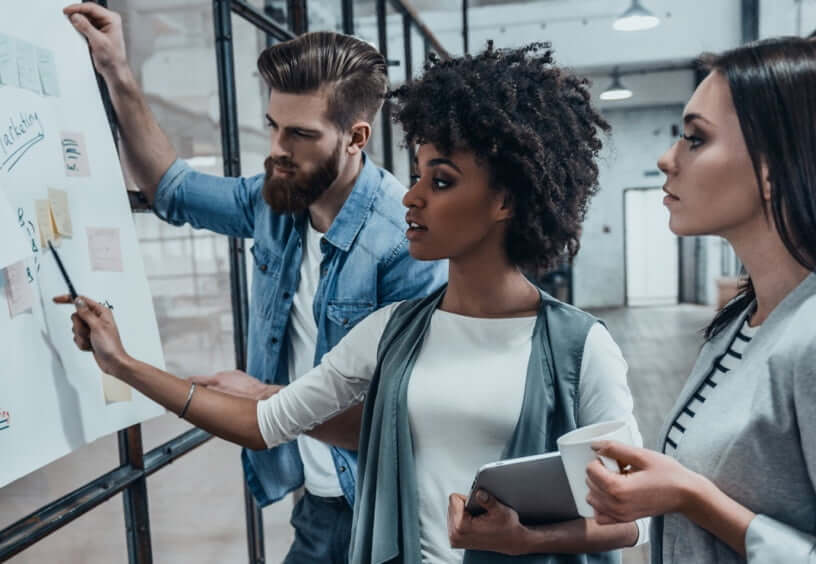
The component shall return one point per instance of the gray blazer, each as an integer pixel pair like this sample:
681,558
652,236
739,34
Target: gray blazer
755,438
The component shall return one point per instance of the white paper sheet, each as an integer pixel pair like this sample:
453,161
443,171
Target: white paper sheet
55,393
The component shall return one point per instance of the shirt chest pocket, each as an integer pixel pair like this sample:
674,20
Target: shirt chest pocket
346,314
265,279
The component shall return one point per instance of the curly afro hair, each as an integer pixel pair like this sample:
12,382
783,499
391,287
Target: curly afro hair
533,125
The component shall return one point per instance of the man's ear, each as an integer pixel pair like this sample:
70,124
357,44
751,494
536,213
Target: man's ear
360,134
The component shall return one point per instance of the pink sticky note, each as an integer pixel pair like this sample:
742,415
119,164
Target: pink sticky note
75,154
19,294
104,248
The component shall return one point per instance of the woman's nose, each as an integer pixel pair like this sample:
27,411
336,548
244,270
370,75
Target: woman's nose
413,198
667,163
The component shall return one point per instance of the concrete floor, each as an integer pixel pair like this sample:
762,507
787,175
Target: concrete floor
196,504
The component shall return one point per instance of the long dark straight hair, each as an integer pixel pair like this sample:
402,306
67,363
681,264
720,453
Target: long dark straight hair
773,88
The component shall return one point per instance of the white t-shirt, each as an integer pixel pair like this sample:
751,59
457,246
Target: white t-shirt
464,399
320,476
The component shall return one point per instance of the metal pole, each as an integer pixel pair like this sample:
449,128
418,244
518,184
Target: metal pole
222,22
750,20
348,16
134,497
409,73
409,59
465,31
266,21
298,16
387,134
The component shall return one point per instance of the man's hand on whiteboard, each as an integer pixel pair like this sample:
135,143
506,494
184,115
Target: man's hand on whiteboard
95,330
103,30
237,383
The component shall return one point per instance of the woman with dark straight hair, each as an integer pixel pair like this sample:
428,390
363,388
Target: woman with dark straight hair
736,479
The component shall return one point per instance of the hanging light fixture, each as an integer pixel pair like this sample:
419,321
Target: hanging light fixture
616,90
636,18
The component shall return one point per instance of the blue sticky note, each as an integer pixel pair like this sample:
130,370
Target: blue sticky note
27,66
48,72
8,62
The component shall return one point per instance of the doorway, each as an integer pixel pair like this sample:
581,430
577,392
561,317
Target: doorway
650,249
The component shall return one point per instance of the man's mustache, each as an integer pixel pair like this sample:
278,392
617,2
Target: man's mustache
281,162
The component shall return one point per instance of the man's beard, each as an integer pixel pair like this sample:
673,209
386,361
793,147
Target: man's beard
289,194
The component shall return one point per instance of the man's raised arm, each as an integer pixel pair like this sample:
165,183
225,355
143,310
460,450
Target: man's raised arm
147,149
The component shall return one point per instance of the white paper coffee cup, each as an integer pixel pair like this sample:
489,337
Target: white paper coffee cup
576,454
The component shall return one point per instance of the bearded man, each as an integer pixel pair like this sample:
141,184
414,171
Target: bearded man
329,241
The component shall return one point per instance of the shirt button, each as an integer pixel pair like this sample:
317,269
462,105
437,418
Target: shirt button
263,268
286,295
342,469
274,340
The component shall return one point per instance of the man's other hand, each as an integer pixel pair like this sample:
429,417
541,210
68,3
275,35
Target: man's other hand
237,383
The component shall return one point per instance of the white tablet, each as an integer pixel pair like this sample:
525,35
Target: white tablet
535,486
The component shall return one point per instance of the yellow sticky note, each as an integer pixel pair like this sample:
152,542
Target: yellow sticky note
60,212
45,222
115,390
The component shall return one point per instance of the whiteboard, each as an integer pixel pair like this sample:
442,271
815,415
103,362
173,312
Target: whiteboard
54,136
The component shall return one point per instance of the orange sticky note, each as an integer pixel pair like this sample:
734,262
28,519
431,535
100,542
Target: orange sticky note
45,222
115,390
60,213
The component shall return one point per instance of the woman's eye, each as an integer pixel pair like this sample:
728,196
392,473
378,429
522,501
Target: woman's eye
441,183
692,140
414,179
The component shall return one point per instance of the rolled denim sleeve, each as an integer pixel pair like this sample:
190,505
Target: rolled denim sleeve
224,205
768,541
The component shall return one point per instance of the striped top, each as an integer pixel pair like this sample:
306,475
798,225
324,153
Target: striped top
723,365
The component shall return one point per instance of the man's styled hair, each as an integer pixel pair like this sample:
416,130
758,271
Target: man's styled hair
354,73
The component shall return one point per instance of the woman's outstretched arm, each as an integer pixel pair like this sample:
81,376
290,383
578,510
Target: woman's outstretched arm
229,417
327,391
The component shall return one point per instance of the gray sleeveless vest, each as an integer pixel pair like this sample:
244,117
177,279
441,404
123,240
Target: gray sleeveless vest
386,521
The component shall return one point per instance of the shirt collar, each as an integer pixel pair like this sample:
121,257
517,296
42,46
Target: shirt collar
353,214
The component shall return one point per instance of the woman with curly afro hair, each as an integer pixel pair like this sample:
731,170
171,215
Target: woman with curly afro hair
489,366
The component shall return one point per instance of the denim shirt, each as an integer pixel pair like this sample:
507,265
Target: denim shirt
365,266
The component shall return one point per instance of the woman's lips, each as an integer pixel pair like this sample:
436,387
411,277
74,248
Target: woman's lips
670,198
415,229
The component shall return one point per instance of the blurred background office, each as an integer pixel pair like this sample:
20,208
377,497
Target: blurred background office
652,288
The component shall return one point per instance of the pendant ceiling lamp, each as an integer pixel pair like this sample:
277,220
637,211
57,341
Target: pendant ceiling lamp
636,18
616,90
